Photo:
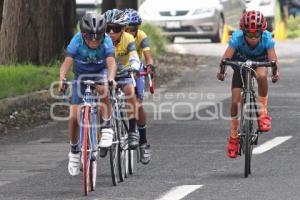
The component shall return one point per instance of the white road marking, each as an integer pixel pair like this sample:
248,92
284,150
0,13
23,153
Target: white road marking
179,192
270,144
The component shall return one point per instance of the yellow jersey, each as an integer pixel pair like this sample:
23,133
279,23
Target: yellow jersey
141,43
125,52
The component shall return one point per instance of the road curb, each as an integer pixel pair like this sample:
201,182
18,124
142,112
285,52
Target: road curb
12,104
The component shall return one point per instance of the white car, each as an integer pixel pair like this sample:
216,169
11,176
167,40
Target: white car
85,6
267,7
193,18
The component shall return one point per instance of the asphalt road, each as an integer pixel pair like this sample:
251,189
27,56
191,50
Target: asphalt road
188,128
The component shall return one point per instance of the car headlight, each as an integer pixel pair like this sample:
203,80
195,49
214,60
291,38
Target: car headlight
203,11
265,2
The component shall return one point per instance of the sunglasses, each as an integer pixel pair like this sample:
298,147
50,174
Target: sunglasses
115,29
93,36
254,34
132,29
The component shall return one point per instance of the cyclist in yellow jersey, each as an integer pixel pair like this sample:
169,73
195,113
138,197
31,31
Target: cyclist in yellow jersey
126,57
144,52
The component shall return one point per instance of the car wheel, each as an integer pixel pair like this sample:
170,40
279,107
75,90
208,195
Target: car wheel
218,37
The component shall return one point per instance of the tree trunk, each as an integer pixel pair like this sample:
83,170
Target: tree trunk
69,19
120,4
35,31
108,5
1,8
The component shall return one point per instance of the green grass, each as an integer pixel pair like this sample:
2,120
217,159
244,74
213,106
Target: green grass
21,79
277,12
293,25
157,41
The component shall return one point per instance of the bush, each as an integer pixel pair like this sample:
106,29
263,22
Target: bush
157,41
293,25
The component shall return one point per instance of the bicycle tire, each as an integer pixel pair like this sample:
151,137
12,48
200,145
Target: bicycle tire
113,152
85,150
123,155
92,174
252,128
247,131
132,159
124,131
93,141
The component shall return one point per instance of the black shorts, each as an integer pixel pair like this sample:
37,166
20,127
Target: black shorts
236,77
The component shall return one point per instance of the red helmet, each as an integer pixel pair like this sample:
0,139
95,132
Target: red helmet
252,21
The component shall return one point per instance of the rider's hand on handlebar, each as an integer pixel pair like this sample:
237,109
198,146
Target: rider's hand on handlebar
276,77
61,85
149,68
221,76
112,83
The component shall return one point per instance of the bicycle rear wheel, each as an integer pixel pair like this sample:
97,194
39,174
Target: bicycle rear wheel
92,174
85,159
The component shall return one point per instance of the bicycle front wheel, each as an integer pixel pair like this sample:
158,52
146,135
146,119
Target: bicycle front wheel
247,129
114,151
92,174
133,157
85,160
123,155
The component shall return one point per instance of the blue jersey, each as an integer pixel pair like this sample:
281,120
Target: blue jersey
88,60
239,44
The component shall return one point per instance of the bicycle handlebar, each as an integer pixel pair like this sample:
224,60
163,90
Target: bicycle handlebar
249,63
128,74
92,83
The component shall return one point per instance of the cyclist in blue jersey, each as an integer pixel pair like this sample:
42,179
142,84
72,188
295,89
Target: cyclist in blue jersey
251,42
91,53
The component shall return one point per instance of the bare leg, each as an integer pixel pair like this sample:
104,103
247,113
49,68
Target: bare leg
235,102
73,124
262,82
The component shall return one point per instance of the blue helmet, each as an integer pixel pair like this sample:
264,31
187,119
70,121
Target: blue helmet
116,16
133,17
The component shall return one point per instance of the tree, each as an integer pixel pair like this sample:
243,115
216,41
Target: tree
120,4
35,30
1,6
108,5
